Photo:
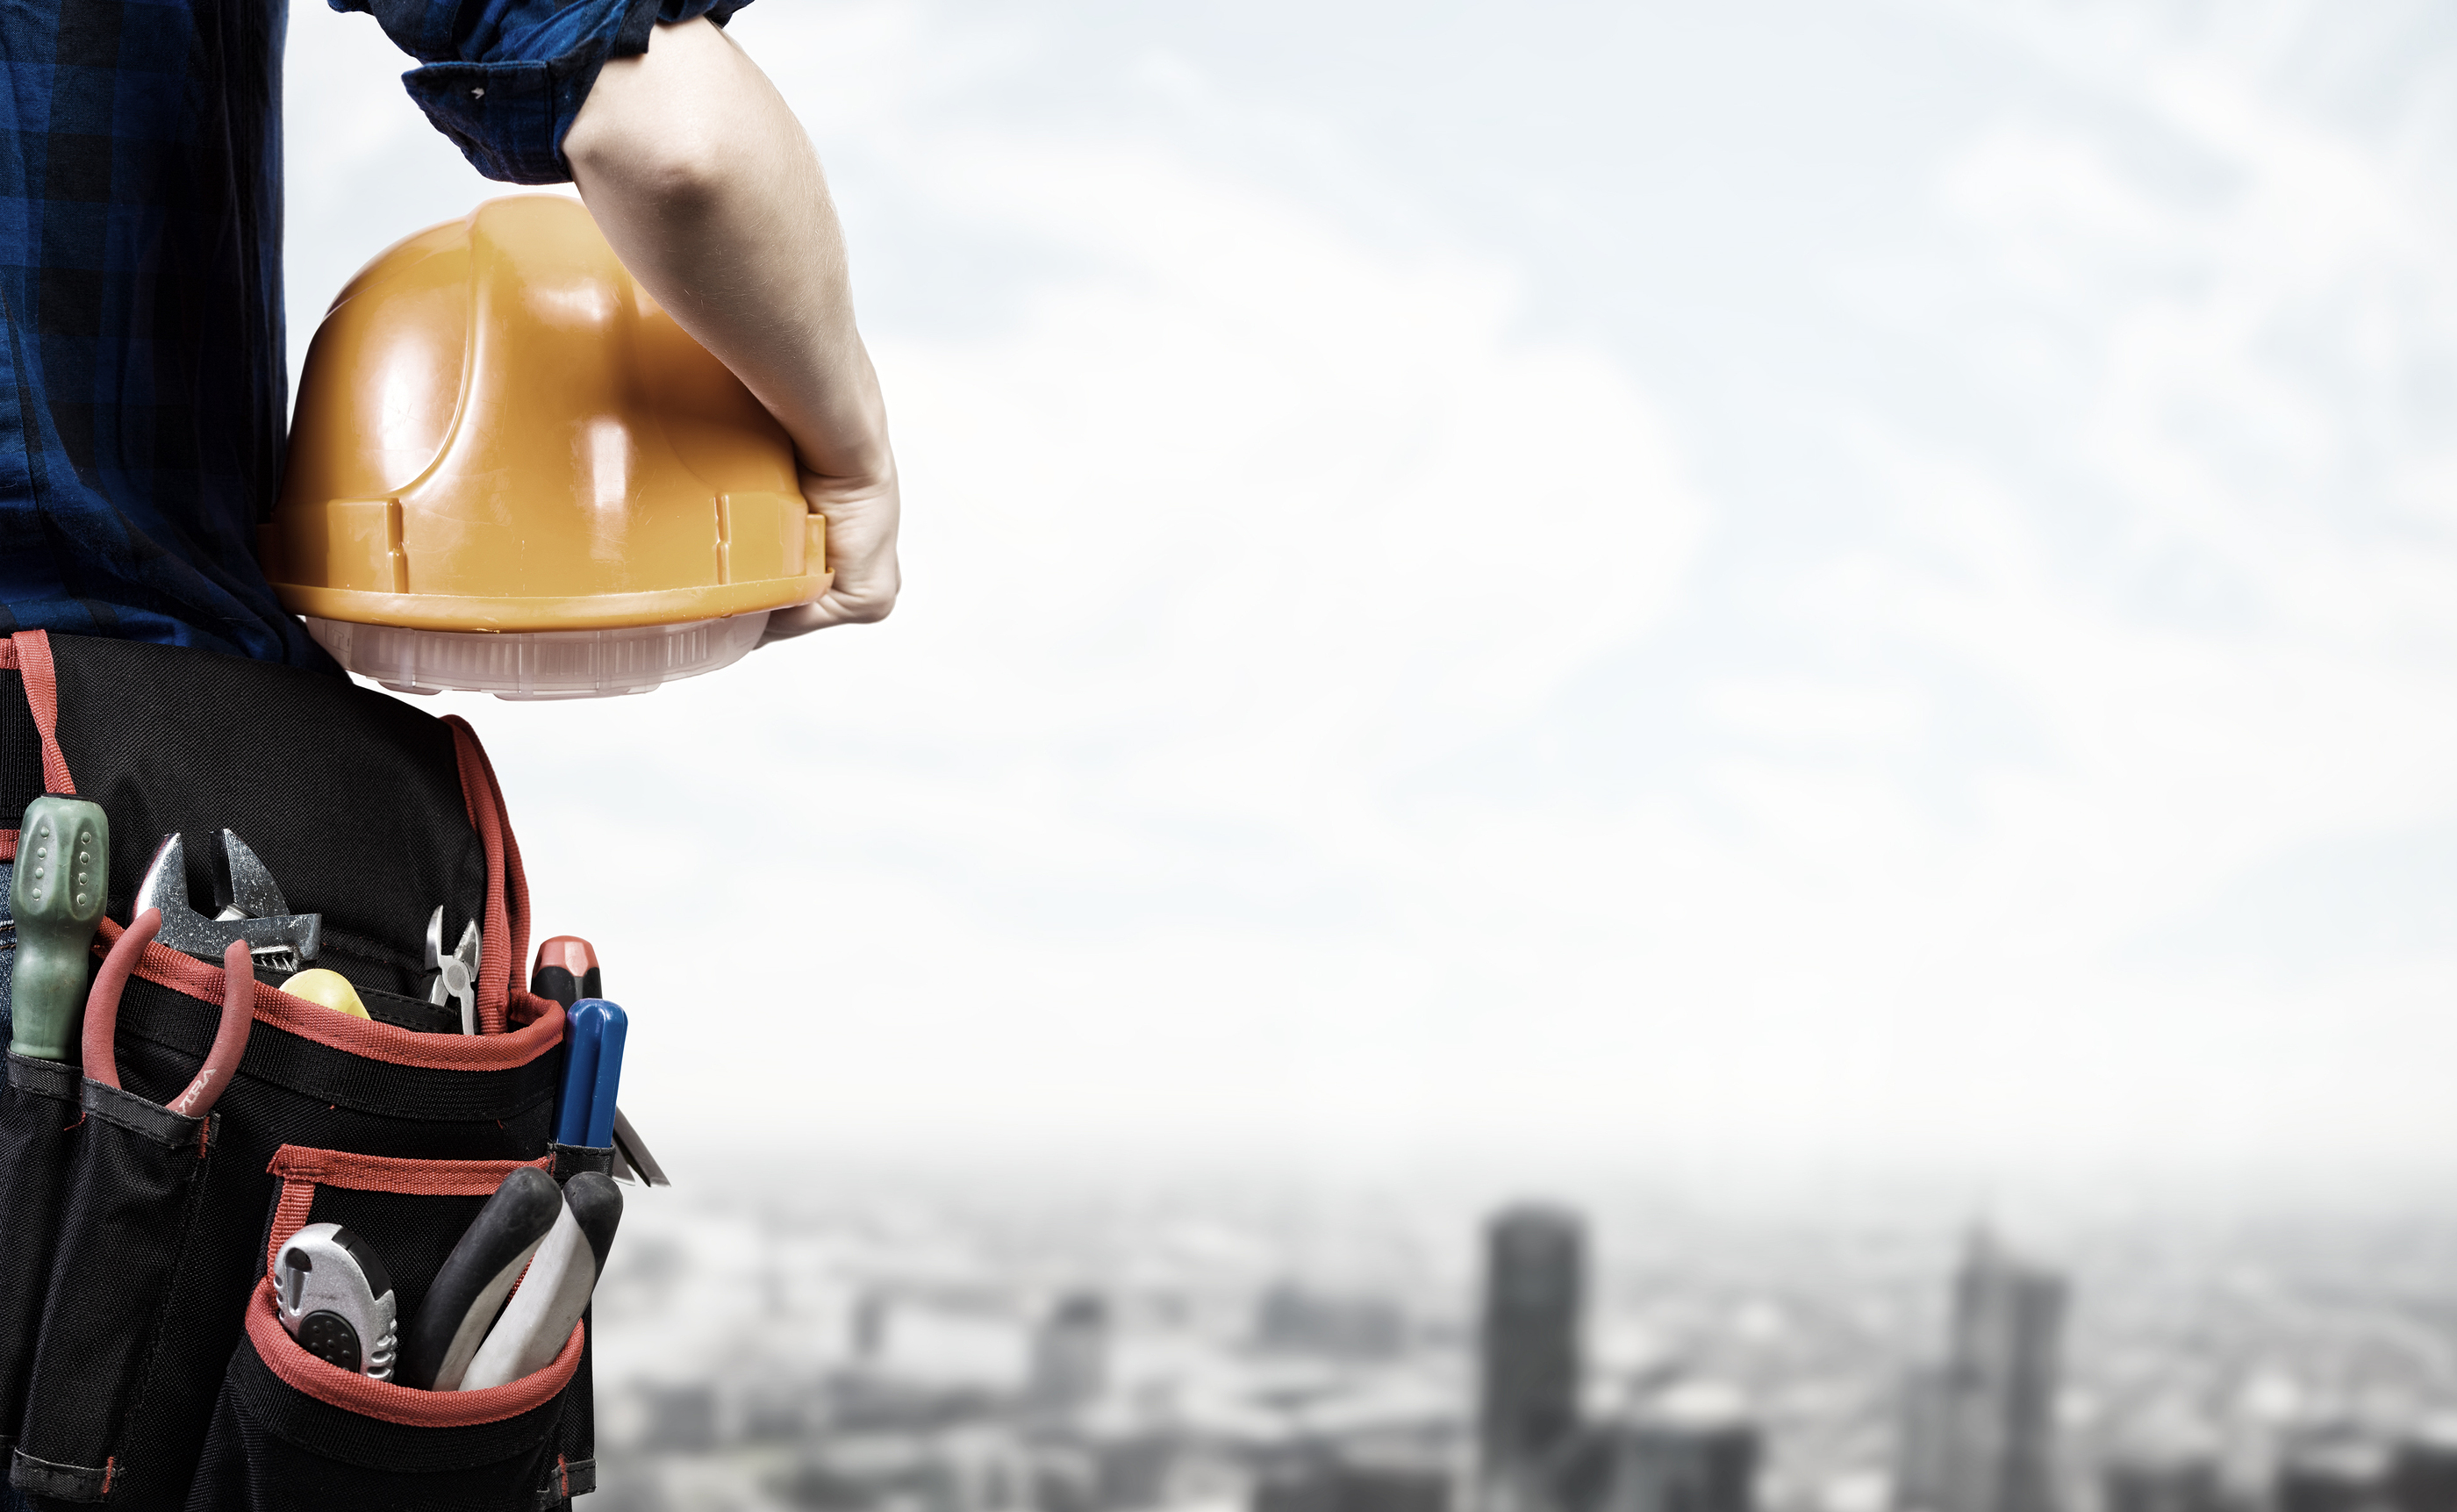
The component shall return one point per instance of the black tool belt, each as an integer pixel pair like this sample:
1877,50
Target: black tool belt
142,1364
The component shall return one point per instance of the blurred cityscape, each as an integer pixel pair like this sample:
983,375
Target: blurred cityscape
1247,1352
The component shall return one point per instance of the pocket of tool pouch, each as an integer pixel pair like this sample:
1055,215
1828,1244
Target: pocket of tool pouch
126,1215
291,1431
38,1131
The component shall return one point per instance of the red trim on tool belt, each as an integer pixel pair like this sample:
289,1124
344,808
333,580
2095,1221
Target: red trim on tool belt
289,1216
504,1005
353,1392
29,652
396,1173
302,1169
516,1025
541,1029
503,935
32,658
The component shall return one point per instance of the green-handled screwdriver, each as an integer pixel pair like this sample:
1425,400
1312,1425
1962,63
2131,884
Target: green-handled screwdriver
57,894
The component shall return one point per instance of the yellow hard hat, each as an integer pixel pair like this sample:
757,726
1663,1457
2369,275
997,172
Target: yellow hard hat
511,472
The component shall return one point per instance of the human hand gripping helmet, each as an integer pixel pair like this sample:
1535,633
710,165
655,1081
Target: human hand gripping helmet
511,471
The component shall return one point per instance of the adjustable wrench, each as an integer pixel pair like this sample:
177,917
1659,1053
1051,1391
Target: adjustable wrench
278,940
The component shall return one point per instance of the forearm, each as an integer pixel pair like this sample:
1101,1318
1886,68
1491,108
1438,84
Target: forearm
712,195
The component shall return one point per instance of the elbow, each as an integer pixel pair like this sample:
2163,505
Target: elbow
676,170
662,130
682,176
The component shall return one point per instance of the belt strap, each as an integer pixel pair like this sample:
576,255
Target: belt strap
28,653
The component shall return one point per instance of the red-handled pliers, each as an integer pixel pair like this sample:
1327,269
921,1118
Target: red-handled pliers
230,1040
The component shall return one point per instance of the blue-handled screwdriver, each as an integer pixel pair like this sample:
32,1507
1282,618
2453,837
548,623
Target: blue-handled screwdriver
591,1074
567,971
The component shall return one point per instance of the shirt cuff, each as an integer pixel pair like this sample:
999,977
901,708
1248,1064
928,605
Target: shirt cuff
509,118
506,118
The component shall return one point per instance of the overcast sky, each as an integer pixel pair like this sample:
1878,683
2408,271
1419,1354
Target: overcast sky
1769,587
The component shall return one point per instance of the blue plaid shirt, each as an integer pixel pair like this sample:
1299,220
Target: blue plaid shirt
143,386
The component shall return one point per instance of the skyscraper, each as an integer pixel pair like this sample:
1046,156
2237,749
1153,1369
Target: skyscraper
2424,1475
1978,1434
2335,1469
1682,1460
1070,1355
1534,1296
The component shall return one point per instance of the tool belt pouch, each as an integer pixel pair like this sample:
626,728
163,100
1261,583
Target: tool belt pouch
158,1380
291,1430
129,1215
38,1134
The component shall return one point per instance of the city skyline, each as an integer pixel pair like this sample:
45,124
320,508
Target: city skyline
1261,1356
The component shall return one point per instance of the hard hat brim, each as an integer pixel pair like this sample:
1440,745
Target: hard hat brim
595,611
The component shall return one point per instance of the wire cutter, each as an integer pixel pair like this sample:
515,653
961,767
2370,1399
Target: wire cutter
456,975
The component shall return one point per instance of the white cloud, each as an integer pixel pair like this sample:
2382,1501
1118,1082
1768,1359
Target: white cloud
1228,779
1228,524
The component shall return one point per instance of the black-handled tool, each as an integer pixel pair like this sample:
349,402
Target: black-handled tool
538,1318
477,1275
567,971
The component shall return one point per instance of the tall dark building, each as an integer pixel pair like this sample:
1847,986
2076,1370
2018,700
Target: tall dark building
2423,1477
1070,1355
1979,1434
1535,1307
2335,1470
1657,1466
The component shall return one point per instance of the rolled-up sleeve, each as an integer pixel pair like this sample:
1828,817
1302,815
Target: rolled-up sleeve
504,79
